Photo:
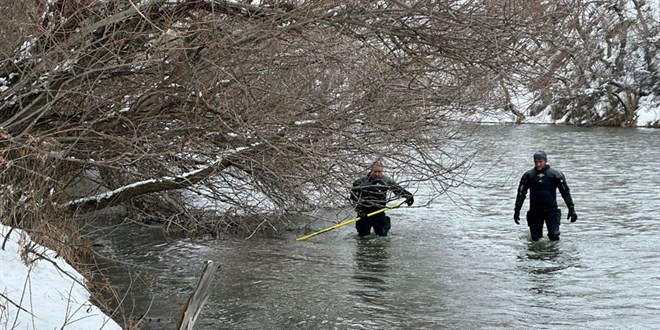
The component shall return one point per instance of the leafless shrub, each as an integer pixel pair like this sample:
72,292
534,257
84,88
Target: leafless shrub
273,109
309,93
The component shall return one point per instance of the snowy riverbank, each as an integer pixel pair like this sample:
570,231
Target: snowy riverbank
39,290
648,114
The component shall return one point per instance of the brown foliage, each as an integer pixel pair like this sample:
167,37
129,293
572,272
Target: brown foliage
309,93
276,108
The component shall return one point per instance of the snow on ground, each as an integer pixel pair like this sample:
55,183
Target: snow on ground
39,290
648,112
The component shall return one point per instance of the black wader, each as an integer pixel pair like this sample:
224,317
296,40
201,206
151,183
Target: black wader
380,222
543,186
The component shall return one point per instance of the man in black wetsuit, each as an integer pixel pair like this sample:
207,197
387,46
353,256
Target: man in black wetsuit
369,194
542,183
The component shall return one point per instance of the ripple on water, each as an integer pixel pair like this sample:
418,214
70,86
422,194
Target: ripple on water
449,266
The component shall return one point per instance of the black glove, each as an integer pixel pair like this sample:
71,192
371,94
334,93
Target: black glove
410,200
361,213
571,214
516,216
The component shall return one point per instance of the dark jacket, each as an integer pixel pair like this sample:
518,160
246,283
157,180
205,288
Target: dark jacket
369,195
542,186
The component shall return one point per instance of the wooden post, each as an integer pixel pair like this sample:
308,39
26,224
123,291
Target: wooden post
198,298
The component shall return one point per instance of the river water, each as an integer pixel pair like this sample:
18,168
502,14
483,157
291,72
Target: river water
448,265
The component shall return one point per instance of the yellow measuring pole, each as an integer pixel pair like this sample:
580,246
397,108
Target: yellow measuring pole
349,221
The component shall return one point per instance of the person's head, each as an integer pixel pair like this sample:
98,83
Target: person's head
376,170
540,159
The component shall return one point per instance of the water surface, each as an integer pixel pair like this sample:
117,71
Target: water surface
446,265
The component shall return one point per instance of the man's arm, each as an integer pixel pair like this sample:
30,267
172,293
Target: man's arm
522,192
564,190
566,195
356,194
520,197
399,191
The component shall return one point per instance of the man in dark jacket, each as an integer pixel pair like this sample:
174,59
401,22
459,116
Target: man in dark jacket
543,182
369,194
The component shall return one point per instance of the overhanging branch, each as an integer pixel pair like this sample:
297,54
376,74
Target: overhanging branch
122,194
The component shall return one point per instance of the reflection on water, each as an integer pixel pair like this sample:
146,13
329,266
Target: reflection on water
444,266
371,255
543,250
543,261
371,272
544,257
